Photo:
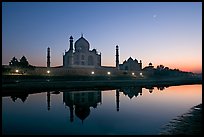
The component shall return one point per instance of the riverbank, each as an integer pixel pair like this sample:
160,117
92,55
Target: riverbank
30,84
189,123
53,83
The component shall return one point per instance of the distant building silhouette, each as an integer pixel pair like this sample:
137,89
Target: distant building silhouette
131,64
81,55
149,70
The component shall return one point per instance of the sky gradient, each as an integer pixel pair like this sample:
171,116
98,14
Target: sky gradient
160,33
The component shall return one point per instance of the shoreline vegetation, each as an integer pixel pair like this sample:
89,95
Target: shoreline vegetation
189,123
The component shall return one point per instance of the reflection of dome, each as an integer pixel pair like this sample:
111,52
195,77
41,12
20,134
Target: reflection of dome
82,112
130,95
81,43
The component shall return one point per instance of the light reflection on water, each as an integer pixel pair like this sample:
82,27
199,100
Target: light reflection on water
130,110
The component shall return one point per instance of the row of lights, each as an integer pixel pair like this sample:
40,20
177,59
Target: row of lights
48,71
94,73
110,73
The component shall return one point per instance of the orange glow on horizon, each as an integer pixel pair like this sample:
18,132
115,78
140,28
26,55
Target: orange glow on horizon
196,68
192,93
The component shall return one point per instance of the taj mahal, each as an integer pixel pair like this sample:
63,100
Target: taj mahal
79,55
80,60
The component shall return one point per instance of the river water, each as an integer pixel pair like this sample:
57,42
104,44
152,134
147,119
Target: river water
125,111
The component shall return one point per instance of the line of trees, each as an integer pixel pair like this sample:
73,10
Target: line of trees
23,63
161,70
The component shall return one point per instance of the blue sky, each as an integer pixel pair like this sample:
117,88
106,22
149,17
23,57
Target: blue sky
160,32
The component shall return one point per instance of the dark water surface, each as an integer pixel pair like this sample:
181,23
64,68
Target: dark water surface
130,110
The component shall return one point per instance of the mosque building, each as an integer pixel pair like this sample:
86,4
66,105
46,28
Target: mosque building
131,64
80,59
80,55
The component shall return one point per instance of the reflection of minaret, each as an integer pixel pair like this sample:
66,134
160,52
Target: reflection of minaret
48,57
117,99
48,100
117,58
71,113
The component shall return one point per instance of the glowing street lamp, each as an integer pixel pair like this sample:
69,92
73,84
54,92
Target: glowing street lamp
108,73
92,72
133,73
48,71
17,70
141,74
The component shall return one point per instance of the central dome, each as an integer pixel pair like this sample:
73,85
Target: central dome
82,44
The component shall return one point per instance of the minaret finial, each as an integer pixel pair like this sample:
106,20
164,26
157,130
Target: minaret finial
81,34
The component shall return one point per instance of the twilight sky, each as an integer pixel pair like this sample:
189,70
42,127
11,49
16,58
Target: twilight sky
161,33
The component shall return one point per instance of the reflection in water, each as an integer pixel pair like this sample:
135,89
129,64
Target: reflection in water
81,101
117,99
48,101
48,98
117,115
129,91
132,91
158,87
22,96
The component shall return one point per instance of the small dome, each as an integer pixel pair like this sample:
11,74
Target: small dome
94,50
71,37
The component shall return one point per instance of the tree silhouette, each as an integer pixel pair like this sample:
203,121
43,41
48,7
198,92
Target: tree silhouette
24,62
160,67
14,62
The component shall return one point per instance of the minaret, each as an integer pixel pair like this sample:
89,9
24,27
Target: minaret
69,59
140,64
71,43
117,58
48,57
